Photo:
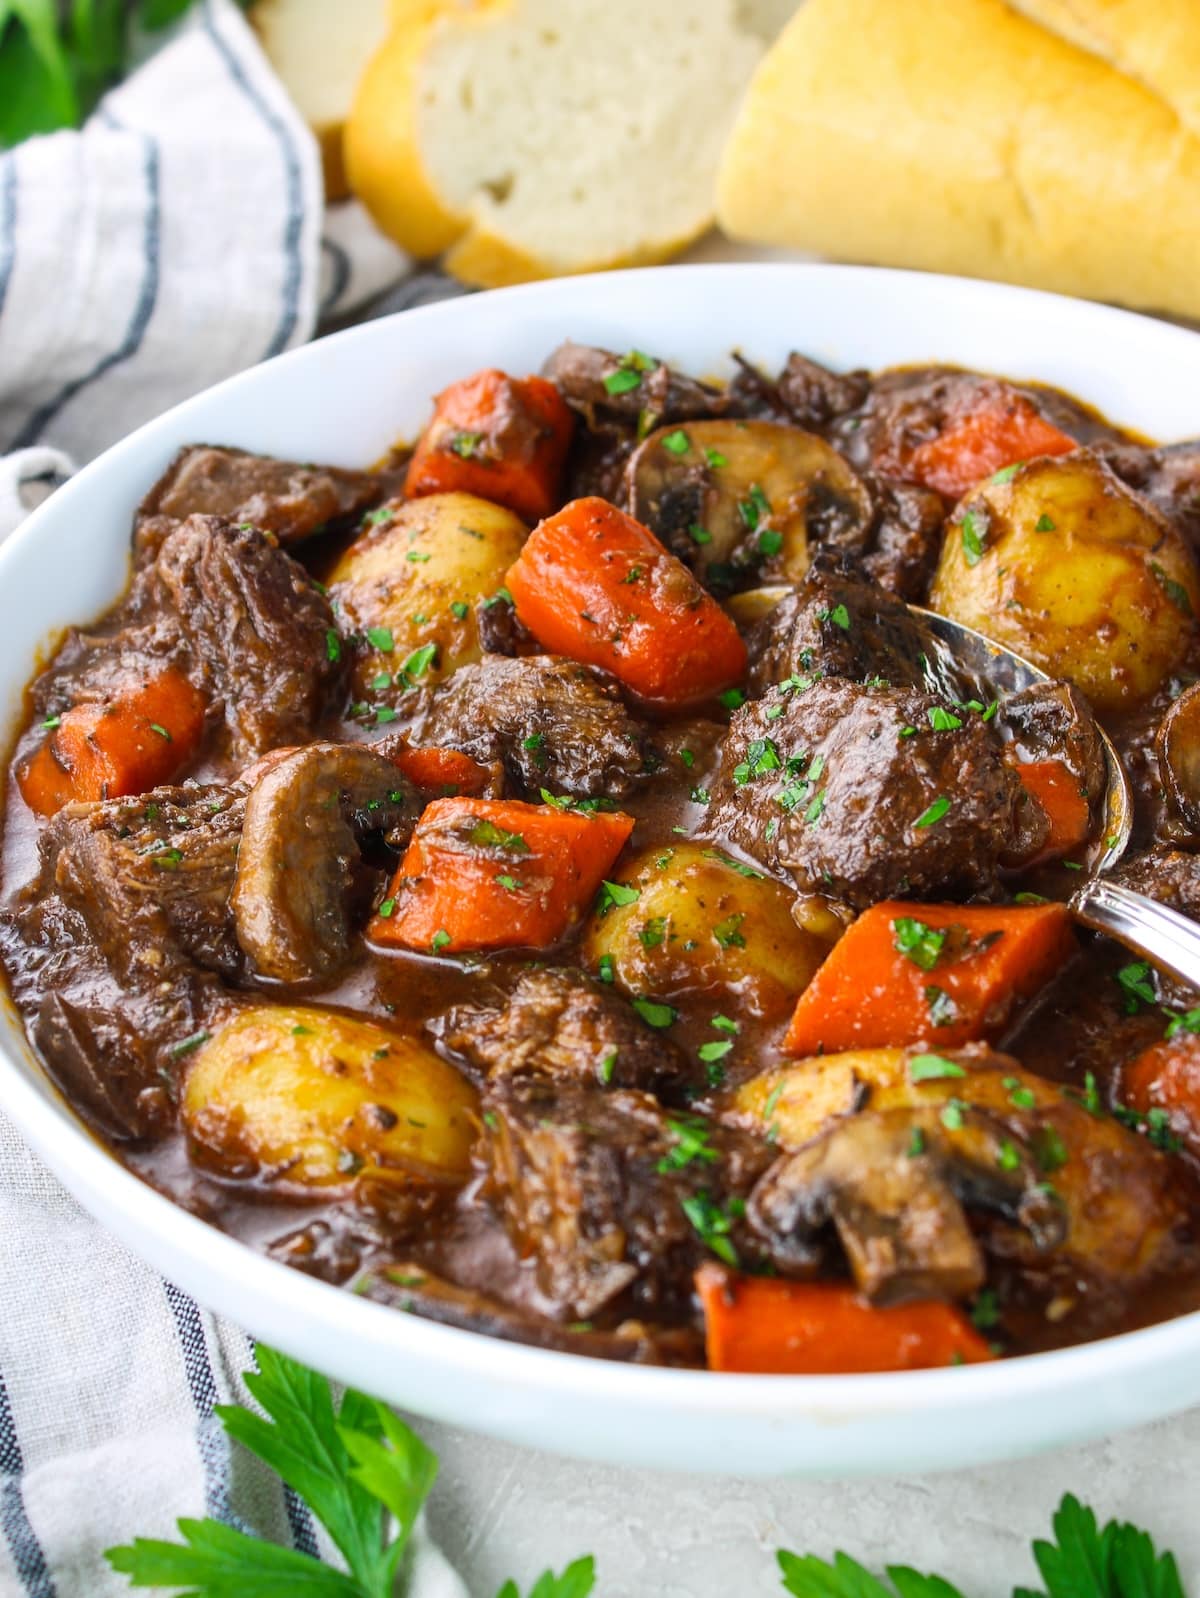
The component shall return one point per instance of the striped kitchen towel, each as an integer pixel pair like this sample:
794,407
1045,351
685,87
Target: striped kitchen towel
178,238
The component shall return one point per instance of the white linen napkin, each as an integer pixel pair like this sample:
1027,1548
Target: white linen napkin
178,238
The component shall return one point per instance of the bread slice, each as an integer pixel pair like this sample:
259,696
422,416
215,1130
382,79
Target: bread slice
319,51
1155,41
965,138
533,138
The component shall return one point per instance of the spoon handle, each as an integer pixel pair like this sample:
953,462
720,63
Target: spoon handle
1161,935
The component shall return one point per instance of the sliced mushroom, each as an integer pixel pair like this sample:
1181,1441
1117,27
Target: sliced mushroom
894,1184
300,861
741,501
1178,745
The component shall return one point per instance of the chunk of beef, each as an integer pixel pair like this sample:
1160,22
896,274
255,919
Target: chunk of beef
107,948
851,791
908,406
280,497
500,633
562,1024
1052,721
554,723
581,372
600,1192
1171,876
410,1286
838,625
1169,477
256,629
905,538
813,396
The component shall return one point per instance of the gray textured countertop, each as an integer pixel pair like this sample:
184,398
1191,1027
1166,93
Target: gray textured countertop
500,1511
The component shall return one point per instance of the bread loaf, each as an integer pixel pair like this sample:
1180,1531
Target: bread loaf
964,137
531,138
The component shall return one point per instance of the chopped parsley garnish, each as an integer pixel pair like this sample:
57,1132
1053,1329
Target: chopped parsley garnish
838,615
629,372
439,940
614,894
1005,474
384,680
727,932
169,859
972,539
935,812
1187,1021
417,557
604,968
944,720
1044,524
1049,1150
734,865
732,698
386,908
653,932
921,944
755,508
1138,986
52,721
607,1066
381,638
655,1014
722,1023
716,1050
677,442
933,1068
1019,1096
815,810
500,597
487,835
333,644
770,543
761,756
419,662
690,1142
186,1045
952,1115
714,459
161,731
985,1311
465,444
712,1224
698,534
460,610
1175,591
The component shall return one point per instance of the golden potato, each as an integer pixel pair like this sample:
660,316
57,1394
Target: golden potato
1062,563
1118,1193
686,920
412,580
309,1098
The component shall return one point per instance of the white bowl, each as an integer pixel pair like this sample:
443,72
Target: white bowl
344,400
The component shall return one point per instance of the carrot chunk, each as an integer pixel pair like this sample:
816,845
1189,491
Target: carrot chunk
1166,1078
594,584
443,769
943,974
497,874
982,442
769,1326
1060,796
126,746
502,438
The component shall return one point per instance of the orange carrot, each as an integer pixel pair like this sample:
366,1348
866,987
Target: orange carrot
984,441
497,874
768,1326
1065,803
502,438
124,747
1166,1077
444,769
596,585
942,974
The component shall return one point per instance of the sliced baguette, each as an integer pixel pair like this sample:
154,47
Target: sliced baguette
534,138
1155,41
965,138
320,57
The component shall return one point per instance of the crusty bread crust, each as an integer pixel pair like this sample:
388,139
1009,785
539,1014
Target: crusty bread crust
965,138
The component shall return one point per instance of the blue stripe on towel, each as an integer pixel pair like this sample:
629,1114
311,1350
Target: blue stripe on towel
142,311
211,1441
8,222
14,1522
289,313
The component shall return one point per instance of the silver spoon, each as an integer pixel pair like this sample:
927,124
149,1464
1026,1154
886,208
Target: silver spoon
1159,934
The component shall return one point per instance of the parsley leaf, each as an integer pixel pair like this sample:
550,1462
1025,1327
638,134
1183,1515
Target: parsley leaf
576,1581
1086,1561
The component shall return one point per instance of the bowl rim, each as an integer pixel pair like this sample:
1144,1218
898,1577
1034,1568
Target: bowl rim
45,1118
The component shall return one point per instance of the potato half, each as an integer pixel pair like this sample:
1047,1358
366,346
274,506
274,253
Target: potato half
310,1098
413,580
1061,562
697,922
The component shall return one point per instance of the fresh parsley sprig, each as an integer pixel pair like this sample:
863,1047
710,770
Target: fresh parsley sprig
354,1466
1084,1561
